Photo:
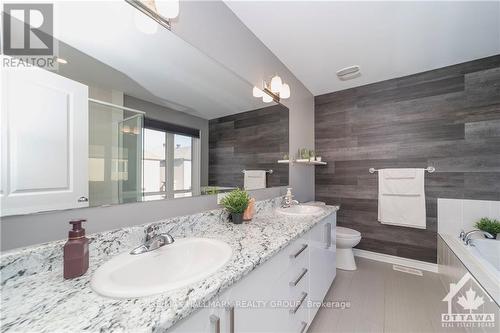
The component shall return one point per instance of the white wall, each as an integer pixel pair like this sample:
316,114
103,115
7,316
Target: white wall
214,29
455,215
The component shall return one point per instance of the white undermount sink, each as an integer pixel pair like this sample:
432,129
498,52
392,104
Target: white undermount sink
186,261
300,210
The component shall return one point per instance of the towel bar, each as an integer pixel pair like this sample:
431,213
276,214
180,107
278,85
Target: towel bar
430,169
268,171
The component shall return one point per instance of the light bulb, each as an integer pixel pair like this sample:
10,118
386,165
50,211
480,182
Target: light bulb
266,98
144,23
276,84
285,91
257,92
167,8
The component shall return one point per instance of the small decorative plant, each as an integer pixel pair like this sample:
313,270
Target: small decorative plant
235,202
212,190
304,153
312,155
489,225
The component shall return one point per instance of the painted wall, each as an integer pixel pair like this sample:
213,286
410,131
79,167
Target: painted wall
455,215
162,113
213,28
448,118
252,140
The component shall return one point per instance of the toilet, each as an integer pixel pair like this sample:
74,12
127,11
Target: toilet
346,240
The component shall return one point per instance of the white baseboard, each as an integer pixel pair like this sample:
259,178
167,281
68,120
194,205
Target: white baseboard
425,266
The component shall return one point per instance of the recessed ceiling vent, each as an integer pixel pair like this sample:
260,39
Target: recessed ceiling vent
349,73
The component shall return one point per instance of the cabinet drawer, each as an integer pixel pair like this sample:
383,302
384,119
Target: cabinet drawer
298,255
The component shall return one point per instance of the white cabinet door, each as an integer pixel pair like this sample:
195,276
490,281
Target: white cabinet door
205,320
322,263
44,149
253,300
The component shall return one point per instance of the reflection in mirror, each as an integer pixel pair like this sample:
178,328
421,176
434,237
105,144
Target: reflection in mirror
132,115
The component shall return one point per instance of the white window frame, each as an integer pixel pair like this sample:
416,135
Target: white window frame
169,192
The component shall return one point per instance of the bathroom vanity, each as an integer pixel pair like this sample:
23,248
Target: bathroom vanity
282,295
280,265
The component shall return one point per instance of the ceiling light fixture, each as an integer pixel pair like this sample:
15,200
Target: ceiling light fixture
162,11
274,91
61,60
348,73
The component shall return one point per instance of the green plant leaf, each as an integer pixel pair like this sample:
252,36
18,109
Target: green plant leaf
489,225
236,201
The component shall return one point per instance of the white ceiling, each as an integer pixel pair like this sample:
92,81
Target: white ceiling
109,51
387,39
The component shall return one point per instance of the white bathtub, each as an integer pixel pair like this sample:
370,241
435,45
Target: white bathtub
487,251
482,260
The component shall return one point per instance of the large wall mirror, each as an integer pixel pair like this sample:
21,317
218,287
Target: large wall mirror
130,113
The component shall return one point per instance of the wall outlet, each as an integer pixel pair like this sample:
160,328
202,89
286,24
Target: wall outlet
220,196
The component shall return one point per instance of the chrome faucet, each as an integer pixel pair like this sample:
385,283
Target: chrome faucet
288,199
152,241
467,236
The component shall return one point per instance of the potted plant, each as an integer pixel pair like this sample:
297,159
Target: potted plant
489,225
312,155
235,203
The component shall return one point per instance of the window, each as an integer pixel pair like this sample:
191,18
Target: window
154,161
170,162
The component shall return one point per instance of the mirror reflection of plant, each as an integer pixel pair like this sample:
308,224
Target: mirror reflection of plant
489,225
236,201
212,190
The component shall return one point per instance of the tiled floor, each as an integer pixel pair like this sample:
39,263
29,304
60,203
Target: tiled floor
383,300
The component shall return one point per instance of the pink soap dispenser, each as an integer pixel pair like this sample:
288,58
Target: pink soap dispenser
76,251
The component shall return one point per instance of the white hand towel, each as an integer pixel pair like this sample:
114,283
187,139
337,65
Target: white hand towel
255,179
401,197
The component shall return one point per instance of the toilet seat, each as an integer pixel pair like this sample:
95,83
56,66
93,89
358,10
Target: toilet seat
346,233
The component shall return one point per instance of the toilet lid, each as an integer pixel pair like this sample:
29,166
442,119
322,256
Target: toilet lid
347,233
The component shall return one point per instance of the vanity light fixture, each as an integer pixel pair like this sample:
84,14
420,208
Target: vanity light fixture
162,11
274,91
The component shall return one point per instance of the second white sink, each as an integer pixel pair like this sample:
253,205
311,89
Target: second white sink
300,210
186,261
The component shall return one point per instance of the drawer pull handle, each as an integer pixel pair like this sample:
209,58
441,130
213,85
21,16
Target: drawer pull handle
328,235
304,325
297,280
214,324
302,299
230,312
302,248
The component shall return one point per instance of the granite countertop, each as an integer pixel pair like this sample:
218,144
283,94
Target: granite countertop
35,297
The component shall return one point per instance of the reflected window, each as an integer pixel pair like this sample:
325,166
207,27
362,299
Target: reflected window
169,163
183,156
154,162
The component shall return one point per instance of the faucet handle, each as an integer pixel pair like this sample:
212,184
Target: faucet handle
462,235
149,233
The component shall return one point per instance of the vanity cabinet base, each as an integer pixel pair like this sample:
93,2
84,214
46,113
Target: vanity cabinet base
282,295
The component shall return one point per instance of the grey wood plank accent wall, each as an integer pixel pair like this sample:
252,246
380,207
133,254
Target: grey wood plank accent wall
253,140
448,118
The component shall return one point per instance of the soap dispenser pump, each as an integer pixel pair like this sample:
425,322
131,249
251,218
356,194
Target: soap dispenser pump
76,251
